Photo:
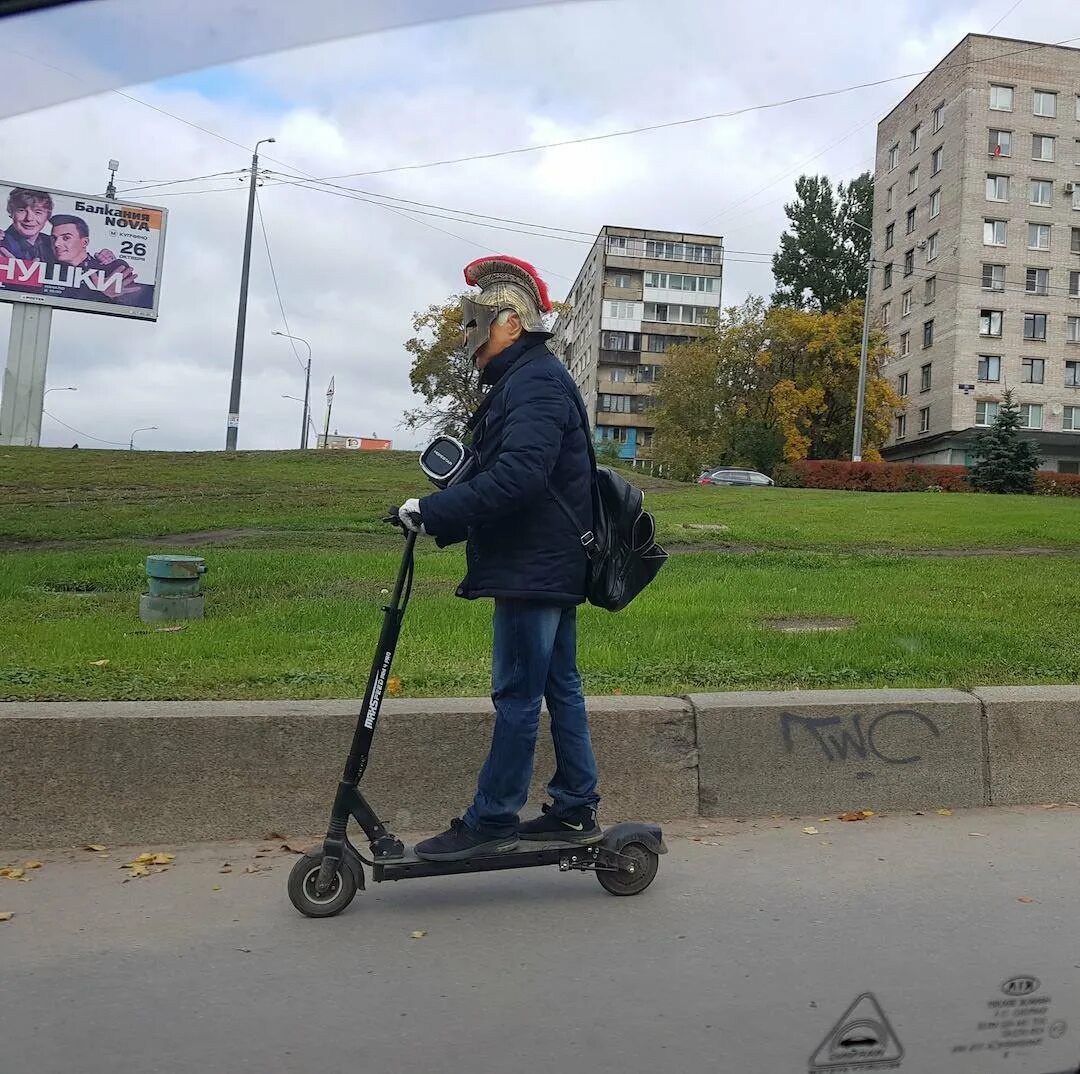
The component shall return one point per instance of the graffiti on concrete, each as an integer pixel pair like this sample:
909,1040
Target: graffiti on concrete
894,737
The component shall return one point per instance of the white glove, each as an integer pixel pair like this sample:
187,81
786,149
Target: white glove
409,513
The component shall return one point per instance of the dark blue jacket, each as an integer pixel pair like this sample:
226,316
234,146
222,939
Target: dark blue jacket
530,440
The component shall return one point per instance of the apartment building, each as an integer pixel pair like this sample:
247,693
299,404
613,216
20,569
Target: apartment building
638,293
977,250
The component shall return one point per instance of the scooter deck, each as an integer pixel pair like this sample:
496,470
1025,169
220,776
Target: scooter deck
526,854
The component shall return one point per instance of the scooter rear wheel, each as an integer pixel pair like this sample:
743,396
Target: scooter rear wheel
307,900
637,873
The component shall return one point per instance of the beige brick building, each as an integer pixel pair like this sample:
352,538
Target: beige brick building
637,293
977,249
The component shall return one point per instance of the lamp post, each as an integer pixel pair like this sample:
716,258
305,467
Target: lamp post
47,390
233,425
860,397
307,386
144,429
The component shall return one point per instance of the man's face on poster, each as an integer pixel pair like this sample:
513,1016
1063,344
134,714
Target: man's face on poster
68,245
30,219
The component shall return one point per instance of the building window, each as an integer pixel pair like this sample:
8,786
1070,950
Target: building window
901,425
928,333
939,118
1041,192
924,377
936,158
990,322
997,188
1000,143
1033,370
894,155
660,344
620,279
614,404
890,233
1038,236
995,232
673,313
623,311
1074,243
619,341
901,385
924,419
909,262
1035,326
886,314
1031,416
986,412
989,368
1044,104
935,204
1072,374
889,198
931,248
1070,420
886,276
1074,284
911,220
1001,98
905,344
905,304
1075,195
678,281
993,277
913,180
1072,329
1037,281
1042,147
931,289
1078,107
916,135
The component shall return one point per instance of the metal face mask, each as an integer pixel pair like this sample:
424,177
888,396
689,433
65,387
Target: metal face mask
476,321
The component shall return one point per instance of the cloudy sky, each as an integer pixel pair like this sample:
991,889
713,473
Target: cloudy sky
352,273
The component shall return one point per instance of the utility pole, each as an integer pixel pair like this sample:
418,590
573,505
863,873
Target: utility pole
307,386
329,406
233,425
860,398
110,190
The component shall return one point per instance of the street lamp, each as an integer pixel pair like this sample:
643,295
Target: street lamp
860,398
144,429
307,385
47,390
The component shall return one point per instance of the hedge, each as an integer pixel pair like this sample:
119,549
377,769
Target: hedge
903,477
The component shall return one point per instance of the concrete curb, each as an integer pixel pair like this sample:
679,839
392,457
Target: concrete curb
131,771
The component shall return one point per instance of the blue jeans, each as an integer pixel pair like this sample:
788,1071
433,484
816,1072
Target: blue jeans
534,658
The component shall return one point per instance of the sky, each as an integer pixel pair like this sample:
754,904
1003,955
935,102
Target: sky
352,274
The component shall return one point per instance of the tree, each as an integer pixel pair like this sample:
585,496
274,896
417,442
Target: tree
821,263
1004,462
441,372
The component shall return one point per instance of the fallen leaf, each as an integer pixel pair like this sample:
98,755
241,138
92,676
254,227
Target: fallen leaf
32,864
246,950
293,848
12,873
419,934
6,915
1050,805
1025,898
96,847
226,868
272,836
867,813
1075,805
393,686
825,820
254,869
810,831
136,869
977,834
169,629
216,887
919,813
944,812
852,816
142,859
99,663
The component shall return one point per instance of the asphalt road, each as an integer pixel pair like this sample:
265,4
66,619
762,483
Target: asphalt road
747,954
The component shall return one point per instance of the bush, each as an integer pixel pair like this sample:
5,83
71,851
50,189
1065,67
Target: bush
879,476
1050,483
786,476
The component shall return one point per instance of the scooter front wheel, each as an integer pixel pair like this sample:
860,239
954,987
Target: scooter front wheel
304,896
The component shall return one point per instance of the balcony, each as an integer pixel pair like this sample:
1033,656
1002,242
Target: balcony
608,357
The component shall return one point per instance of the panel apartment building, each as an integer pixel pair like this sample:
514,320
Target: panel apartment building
977,248
637,294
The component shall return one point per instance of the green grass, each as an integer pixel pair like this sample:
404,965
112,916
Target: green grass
295,614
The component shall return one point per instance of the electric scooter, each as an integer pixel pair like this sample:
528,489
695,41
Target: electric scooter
325,880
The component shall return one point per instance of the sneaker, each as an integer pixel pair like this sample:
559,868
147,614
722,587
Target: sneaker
460,841
577,826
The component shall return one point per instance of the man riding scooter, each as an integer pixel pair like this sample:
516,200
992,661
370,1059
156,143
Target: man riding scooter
522,550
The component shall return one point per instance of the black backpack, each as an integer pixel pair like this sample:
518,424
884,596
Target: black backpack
623,554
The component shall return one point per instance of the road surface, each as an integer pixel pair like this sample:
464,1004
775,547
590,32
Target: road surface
928,944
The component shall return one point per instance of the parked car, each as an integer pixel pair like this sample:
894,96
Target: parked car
733,477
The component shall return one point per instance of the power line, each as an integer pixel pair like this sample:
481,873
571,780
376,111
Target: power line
112,443
273,276
150,184
1005,16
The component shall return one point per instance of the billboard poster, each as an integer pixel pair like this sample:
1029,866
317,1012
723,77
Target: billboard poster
80,251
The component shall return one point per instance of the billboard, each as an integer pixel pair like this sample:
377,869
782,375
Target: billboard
354,443
80,251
